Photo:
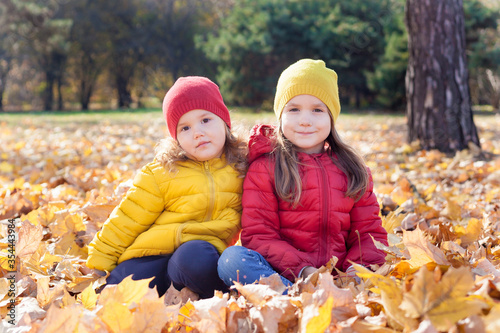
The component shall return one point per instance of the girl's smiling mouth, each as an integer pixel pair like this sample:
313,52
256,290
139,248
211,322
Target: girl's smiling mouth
202,144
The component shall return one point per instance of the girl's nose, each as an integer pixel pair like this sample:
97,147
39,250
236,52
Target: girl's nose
197,132
304,120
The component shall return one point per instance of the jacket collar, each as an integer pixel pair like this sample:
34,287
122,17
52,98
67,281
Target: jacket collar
213,163
263,139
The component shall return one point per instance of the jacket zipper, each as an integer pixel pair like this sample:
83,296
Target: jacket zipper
324,214
208,216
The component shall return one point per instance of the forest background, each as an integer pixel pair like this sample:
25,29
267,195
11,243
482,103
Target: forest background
89,55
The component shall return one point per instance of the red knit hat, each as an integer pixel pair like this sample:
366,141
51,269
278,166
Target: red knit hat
192,93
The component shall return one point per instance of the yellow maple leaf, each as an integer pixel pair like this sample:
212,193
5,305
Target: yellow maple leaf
66,299
80,283
185,313
472,232
421,250
150,315
88,298
443,303
116,315
122,308
320,322
126,292
393,220
391,296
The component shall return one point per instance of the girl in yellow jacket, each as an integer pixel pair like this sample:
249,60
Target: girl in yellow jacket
184,207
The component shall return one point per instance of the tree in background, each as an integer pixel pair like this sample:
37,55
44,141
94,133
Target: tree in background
89,46
176,29
387,80
125,46
482,44
7,49
92,50
43,31
439,110
484,52
170,50
258,39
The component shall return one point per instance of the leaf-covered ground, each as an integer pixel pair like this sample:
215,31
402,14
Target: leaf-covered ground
60,180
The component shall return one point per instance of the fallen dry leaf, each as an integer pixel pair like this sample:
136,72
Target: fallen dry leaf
444,303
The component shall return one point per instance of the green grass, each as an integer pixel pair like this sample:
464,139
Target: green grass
64,117
245,115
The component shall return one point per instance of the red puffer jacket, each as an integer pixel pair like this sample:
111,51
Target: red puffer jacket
324,224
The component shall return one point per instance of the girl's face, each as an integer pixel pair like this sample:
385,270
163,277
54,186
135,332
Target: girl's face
306,122
201,134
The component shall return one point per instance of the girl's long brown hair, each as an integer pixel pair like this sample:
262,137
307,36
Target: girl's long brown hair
169,152
288,181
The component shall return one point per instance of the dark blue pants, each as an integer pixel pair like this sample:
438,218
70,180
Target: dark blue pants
192,265
237,263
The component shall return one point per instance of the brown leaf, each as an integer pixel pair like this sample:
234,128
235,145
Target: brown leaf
421,250
443,303
30,237
98,213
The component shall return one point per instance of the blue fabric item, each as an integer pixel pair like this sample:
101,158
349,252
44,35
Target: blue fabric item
192,265
237,263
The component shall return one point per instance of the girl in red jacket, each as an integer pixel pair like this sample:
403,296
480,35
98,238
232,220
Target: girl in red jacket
307,196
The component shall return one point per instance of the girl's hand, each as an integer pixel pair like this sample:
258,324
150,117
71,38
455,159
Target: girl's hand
351,272
99,272
308,271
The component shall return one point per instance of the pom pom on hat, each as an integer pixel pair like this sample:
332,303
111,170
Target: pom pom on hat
308,77
192,93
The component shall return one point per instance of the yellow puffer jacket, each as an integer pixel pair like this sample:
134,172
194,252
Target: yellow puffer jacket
163,210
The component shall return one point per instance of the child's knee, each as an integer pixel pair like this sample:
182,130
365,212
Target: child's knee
232,255
193,259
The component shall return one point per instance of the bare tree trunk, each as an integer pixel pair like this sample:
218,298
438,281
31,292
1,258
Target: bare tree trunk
124,96
438,99
4,72
85,94
48,93
60,103
2,89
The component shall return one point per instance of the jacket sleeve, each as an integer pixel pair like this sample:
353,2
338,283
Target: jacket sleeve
141,206
365,224
261,223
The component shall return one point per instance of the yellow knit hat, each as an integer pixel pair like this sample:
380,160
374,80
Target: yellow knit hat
308,77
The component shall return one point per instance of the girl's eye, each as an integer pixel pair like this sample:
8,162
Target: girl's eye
293,110
205,120
185,128
318,110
